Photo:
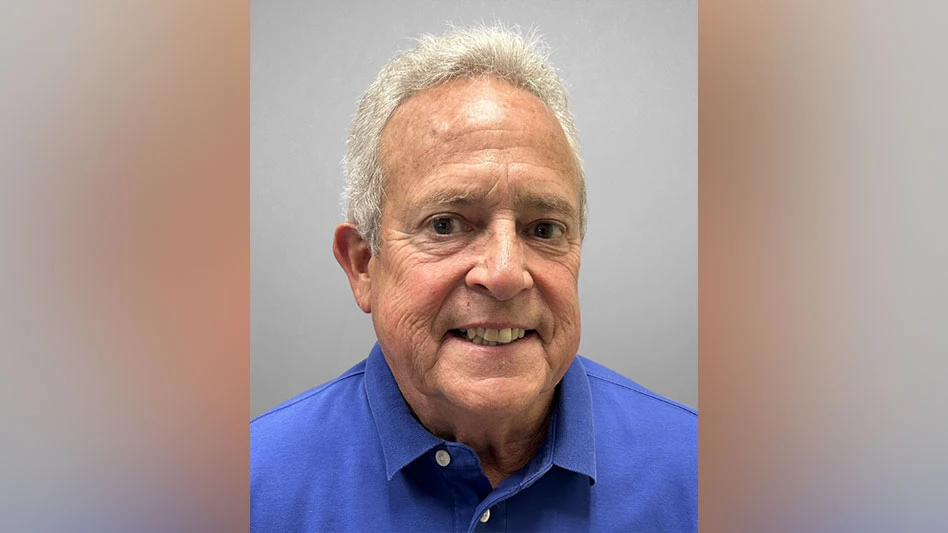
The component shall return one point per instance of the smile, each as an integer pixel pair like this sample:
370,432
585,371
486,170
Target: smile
492,337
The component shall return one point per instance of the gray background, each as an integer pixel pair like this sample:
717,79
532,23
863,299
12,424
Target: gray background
631,72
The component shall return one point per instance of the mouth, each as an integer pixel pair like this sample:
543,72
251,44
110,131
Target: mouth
492,337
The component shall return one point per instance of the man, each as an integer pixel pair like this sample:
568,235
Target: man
466,215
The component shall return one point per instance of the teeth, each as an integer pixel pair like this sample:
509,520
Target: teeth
504,335
493,337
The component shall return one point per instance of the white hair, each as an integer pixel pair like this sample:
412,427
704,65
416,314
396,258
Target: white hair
497,51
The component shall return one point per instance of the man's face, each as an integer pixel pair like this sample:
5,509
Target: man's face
479,229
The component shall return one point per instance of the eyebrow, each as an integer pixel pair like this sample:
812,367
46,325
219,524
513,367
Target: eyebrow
548,203
450,197
534,202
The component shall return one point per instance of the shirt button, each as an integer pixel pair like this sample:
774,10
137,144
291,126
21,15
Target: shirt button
443,457
486,516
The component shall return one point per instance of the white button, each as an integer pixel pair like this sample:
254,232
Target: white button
443,457
486,516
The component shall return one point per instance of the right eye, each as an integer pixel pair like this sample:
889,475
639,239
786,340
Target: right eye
445,225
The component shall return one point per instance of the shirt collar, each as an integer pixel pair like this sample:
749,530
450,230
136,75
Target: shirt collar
574,438
404,439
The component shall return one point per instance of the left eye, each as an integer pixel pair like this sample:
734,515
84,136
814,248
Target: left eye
445,225
547,230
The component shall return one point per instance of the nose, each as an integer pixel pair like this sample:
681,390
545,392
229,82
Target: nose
501,269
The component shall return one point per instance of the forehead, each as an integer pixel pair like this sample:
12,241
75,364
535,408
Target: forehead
484,127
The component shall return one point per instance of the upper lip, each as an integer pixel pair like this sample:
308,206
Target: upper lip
494,325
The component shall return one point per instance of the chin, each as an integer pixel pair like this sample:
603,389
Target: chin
499,397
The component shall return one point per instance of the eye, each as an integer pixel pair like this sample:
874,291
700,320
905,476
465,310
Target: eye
445,225
547,230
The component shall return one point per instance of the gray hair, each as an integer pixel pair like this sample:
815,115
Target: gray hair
498,51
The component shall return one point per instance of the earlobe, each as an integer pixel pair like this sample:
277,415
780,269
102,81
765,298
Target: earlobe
353,254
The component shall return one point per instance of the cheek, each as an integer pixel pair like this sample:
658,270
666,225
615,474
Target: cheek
567,311
562,296
410,298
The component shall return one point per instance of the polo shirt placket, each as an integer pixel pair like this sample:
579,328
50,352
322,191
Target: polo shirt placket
460,468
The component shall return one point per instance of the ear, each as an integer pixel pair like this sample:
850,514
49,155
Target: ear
353,253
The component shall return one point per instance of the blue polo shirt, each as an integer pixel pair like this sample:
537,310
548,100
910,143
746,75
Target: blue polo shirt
349,456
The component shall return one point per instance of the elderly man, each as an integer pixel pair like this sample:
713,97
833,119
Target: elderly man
466,216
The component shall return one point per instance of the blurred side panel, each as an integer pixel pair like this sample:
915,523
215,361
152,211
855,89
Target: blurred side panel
823,299
125,263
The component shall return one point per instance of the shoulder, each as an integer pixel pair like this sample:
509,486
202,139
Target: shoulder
606,381
294,447
302,422
646,454
626,413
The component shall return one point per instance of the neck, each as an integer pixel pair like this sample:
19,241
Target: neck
504,444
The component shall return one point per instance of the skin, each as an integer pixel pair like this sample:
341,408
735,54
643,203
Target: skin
479,227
